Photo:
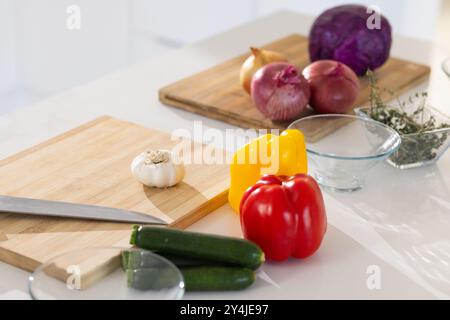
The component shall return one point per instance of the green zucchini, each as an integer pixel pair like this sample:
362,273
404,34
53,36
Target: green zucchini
218,249
142,275
135,260
217,278
181,261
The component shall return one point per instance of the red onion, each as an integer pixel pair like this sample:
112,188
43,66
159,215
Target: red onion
334,86
279,91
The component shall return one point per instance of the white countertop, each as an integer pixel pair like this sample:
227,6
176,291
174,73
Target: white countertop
398,223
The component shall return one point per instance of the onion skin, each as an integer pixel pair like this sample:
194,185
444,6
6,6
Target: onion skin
334,86
258,59
279,91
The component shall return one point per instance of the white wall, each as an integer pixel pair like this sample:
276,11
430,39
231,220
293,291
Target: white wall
8,78
52,57
413,18
39,55
187,21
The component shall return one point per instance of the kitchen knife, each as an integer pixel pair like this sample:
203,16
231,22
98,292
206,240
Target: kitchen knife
19,205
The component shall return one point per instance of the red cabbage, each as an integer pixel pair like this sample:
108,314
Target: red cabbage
341,34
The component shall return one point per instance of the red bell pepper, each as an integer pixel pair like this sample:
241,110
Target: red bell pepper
285,216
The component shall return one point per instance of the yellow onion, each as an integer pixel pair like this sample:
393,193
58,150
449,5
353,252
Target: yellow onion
258,59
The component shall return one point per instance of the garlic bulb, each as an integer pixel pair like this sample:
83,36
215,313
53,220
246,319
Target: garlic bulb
157,169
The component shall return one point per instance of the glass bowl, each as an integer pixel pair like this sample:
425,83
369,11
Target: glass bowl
415,150
342,148
107,274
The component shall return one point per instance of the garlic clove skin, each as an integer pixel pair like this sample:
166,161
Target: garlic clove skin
161,174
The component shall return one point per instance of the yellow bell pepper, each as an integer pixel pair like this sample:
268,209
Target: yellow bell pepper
269,154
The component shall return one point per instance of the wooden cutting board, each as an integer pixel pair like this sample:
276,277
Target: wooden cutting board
216,93
91,165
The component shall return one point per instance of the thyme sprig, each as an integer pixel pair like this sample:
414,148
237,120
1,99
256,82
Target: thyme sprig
419,142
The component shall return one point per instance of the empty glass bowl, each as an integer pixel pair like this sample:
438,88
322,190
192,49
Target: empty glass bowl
107,273
342,148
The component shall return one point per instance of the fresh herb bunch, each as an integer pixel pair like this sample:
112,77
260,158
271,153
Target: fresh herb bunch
418,143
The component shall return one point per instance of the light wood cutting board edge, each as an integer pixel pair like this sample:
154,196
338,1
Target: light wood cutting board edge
215,203
15,259
205,111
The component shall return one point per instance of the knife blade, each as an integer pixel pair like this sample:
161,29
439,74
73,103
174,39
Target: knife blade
9,204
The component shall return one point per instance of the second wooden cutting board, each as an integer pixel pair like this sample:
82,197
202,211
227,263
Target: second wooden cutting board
216,93
91,165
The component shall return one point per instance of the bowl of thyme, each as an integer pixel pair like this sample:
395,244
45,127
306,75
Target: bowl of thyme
425,132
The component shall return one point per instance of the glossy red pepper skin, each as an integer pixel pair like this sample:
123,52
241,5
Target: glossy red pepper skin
285,216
